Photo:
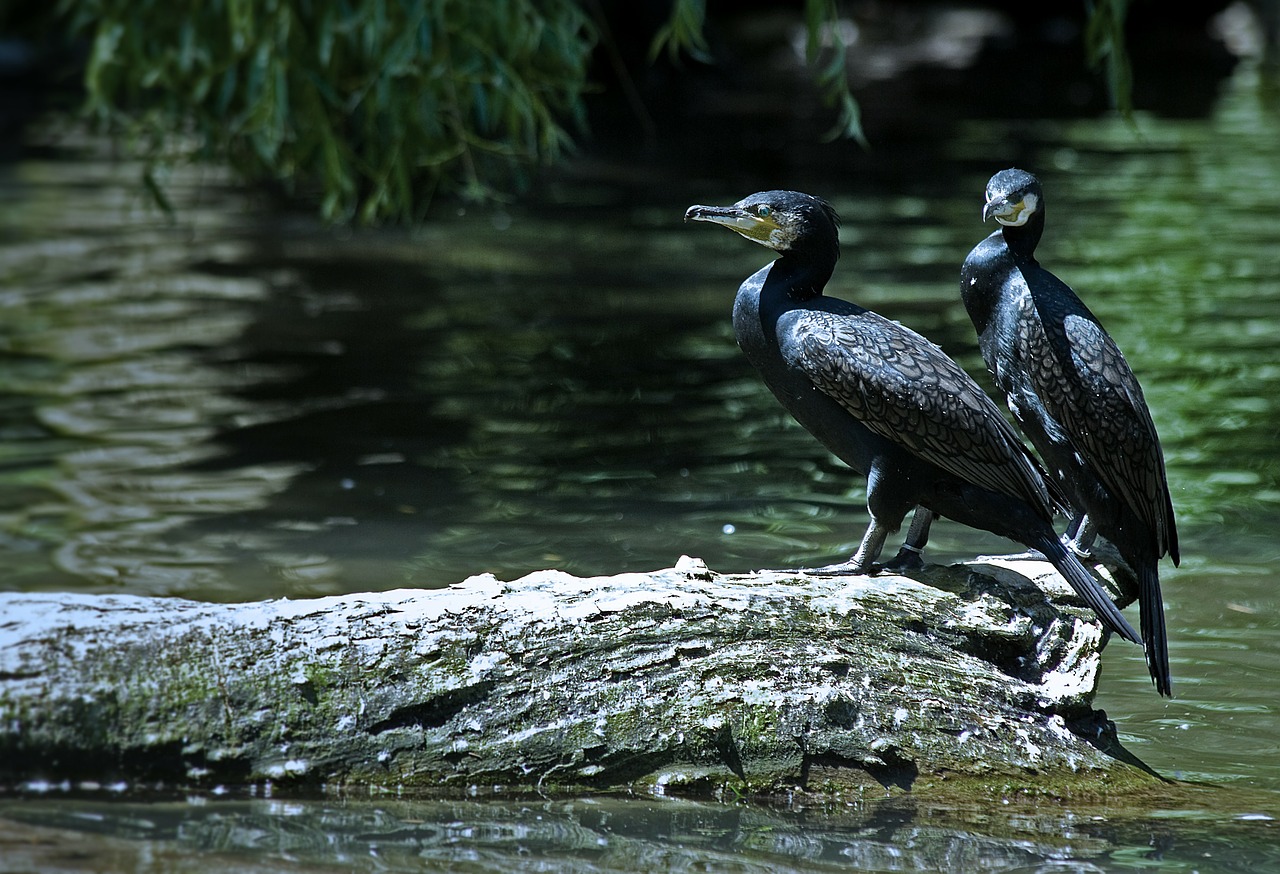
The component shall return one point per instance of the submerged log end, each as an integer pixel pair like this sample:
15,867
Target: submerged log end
953,679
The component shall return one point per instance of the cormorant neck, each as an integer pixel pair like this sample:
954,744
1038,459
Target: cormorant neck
1022,241
804,273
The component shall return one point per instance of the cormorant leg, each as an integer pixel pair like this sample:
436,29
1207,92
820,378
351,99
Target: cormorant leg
864,560
1080,536
909,556
1073,527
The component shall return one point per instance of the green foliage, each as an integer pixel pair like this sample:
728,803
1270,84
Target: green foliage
1104,43
822,19
825,52
683,31
370,106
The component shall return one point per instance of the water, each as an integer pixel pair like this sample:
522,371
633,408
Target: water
611,835
241,405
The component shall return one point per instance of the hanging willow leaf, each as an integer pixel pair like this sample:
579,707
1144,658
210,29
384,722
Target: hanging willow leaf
373,105
683,32
825,52
369,107
1105,45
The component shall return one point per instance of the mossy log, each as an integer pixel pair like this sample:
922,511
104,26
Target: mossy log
682,680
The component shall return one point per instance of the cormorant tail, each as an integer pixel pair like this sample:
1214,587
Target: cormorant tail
1079,578
1153,632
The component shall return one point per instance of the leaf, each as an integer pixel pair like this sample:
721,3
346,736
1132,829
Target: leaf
819,14
102,57
683,32
156,190
225,94
822,20
1105,43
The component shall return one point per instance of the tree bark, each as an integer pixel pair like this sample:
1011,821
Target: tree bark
681,680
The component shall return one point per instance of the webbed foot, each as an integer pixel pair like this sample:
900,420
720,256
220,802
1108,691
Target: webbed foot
908,559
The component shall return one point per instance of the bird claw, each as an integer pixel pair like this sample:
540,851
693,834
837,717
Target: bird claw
845,569
1079,551
840,569
907,559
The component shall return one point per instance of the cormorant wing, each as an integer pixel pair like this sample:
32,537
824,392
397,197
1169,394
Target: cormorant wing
906,389
1103,409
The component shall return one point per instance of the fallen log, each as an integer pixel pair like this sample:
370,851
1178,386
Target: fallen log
682,680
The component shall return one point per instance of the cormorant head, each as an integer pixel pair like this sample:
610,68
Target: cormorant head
784,221
1013,197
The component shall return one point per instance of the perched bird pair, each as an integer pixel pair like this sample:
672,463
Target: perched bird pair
894,407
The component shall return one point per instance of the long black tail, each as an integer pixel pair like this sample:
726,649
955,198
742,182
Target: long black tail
1087,587
1154,637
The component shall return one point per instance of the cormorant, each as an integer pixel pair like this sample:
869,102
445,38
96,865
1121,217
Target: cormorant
883,399
1071,390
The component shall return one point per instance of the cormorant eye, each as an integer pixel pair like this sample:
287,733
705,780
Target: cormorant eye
763,211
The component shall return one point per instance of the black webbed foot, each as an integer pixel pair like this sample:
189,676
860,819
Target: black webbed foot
907,559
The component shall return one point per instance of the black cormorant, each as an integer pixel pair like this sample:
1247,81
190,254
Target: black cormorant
883,399
1075,397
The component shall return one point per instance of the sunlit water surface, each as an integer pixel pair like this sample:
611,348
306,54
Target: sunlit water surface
236,406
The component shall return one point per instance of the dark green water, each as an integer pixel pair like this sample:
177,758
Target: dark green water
637,835
240,405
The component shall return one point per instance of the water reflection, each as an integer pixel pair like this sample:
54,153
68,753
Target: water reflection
108,330
604,834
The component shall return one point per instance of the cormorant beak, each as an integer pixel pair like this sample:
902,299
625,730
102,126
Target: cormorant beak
993,207
1013,215
760,229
